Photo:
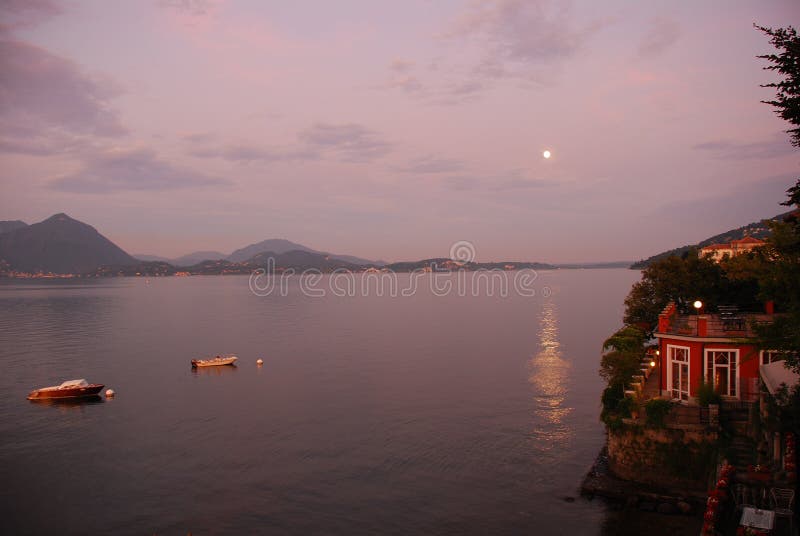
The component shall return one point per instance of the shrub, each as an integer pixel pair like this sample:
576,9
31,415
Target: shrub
706,394
612,396
626,406
657,410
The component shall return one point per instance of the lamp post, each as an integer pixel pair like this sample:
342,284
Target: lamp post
698,307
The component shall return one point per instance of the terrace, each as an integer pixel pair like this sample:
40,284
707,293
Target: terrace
728,323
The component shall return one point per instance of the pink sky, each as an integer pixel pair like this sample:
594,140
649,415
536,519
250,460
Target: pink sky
393,129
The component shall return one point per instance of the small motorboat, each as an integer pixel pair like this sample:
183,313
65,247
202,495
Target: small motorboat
68,389
217,361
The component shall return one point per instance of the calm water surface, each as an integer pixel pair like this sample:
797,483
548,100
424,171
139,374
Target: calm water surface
424,414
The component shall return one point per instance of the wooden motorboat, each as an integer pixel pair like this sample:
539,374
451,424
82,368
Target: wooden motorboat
218,361
68,389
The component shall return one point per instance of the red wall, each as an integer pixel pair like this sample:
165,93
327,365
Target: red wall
748,361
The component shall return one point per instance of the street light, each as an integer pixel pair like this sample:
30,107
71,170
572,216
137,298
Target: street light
698,306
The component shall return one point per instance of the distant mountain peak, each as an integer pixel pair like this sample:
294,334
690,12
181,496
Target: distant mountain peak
10,225
59,244
61,216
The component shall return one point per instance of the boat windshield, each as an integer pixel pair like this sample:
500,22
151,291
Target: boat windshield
73,383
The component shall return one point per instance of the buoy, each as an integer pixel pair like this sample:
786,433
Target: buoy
260,362
109,393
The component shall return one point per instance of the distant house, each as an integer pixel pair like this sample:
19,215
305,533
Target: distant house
710,348
731,249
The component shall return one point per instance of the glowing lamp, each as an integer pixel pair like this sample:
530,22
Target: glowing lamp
698,304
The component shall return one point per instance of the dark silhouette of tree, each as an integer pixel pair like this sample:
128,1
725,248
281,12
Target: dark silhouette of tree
780,278
787,63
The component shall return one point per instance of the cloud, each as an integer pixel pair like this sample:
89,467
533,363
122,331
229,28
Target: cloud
429,165
521,30
198,137
131,170
729,150
521,39
511,180
661,34
350,142
402,76
252,153
48,104
400,65
194,8
18,14
519,183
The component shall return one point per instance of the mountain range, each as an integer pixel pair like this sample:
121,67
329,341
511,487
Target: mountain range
758,229
63,245
273,245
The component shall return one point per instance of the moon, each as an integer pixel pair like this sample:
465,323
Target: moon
546,154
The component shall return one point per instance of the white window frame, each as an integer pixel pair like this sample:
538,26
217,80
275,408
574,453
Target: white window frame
762,354
738,371
688,371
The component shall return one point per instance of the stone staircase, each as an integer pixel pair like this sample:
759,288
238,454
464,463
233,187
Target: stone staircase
735,417
741,453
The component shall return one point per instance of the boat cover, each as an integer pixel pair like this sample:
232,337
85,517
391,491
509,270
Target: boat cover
73,383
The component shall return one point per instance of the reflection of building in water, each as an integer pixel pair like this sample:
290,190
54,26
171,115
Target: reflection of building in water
548,375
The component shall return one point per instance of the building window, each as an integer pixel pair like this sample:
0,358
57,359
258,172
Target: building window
678,374
770,356
722,371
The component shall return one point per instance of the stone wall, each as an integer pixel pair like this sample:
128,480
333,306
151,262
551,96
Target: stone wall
666,458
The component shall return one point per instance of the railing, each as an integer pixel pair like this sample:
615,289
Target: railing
714,325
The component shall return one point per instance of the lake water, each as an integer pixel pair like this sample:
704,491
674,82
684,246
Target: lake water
422,414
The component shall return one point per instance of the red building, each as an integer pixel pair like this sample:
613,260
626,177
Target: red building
710,348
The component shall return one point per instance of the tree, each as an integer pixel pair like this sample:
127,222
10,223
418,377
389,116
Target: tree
624,352
787,91
685,279
780,278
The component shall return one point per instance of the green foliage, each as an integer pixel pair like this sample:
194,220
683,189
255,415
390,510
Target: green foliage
685,279
780,279
657,410
612,396
626,407
629,339
626,346
787,64
706,394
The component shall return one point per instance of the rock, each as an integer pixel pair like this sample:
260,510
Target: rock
666,508
632,501
684,507
568,499
647,507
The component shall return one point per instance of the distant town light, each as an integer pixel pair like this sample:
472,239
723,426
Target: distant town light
698,304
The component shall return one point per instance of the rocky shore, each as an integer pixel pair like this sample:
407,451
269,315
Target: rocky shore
642,509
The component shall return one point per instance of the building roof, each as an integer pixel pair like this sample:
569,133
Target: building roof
747,240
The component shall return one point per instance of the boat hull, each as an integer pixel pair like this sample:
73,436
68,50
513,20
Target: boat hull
200,363
48,393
